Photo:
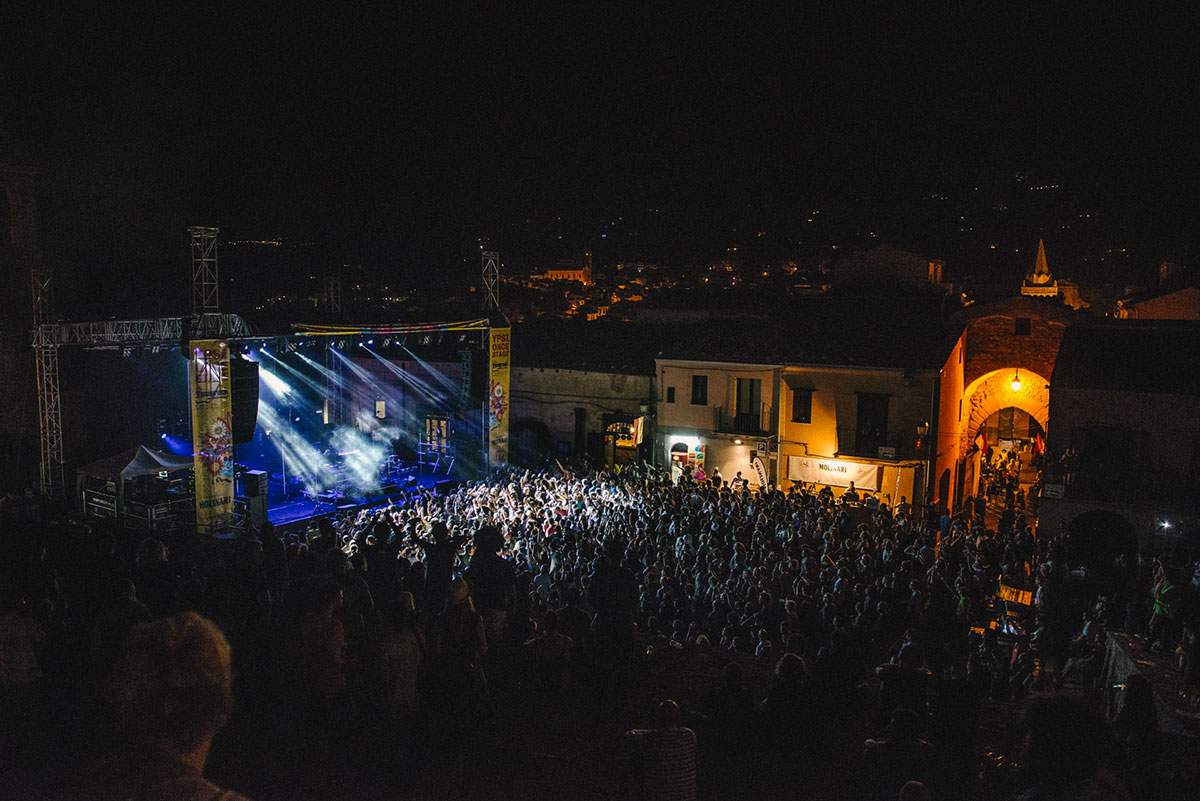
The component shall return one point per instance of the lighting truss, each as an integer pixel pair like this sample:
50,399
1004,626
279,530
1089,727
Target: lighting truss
204,270
48,337
490,269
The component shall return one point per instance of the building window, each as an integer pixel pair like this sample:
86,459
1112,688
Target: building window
748,405
749,395
670,394
1024,326
872,423
801,405
699,390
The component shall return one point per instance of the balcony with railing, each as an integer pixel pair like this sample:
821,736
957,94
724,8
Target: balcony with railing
752,424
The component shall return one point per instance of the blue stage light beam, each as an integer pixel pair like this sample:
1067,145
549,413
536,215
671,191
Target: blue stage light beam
300,456
422,387
274,382
382,391
176,445
436,374
299,377
361,457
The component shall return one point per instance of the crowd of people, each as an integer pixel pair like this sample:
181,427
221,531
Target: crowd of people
381,636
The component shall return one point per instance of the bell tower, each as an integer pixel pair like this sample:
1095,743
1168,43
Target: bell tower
1040,283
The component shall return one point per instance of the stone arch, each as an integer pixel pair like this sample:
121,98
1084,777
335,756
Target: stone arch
992,392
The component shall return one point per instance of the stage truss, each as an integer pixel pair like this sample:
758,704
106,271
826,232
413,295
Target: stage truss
205,322
164,332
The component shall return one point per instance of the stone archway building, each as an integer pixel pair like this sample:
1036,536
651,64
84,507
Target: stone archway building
994,391
1020,335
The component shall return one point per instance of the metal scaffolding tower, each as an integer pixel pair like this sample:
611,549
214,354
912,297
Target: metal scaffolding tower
49,421
49,336
333,296
45,352
491,281
205,284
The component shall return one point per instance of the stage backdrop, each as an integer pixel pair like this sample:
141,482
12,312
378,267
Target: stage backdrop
835,472
497,397
212,433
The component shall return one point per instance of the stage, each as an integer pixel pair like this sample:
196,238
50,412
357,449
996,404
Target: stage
285,512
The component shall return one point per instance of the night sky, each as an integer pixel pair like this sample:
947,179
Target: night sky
400,141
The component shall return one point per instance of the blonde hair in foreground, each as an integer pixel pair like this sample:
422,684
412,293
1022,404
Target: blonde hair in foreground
172,684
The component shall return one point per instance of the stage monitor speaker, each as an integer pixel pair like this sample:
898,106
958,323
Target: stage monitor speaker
243,387
255,483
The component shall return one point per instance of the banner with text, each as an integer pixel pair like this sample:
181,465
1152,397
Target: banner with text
834,472
499,353
212,433
760,470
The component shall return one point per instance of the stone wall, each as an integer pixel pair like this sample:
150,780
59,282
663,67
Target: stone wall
993,344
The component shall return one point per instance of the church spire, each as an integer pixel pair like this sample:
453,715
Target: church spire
1039,282
1040,267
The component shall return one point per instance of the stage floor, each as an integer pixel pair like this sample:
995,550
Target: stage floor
297,510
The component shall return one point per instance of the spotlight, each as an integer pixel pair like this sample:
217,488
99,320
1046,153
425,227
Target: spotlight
370,342
263,348
737,442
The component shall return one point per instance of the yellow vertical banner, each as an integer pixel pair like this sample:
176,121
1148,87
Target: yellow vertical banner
499,352
212,433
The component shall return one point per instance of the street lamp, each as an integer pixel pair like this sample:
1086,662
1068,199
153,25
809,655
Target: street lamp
922,430
1016,381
